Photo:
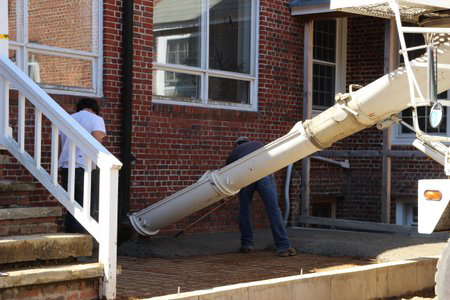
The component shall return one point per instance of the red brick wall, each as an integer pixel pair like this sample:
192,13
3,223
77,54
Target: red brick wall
84,289
174,145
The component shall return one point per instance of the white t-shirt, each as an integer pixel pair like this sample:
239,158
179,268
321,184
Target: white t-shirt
91,122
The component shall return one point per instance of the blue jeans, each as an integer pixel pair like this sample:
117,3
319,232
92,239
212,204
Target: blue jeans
267,191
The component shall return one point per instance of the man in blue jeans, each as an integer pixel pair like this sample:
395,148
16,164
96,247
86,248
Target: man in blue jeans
88,117
267,190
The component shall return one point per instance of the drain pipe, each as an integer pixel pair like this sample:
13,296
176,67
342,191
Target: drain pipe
286,194
126,101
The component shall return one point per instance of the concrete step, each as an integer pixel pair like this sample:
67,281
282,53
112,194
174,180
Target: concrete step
79,281
19,213
43,247
50,274
16,186
4,159
13,193
29,220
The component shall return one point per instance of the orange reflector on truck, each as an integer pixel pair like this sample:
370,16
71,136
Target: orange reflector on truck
433,195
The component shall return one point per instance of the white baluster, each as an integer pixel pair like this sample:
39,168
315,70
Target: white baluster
55,154
37,137
87,188
4,106
71,171
21,117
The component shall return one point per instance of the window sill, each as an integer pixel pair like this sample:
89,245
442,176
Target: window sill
228,106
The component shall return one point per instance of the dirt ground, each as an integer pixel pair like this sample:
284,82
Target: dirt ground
150,277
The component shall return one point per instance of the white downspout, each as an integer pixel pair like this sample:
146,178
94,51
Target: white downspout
353,112
286,194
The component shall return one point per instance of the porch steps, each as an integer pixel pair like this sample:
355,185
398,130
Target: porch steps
43,247
45,265
4,159
29,220
27,277
13,193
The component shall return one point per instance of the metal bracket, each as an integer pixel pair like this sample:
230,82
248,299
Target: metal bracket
342,99
388,122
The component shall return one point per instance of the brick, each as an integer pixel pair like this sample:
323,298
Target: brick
175,144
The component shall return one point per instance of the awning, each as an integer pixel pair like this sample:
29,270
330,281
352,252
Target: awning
309,7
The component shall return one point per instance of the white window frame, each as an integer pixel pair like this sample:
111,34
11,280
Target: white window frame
204,72
399,138
22,47
341,60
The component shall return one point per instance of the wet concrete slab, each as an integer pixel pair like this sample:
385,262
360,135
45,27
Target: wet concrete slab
380,246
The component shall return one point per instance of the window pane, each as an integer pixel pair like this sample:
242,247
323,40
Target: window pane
423,118
412,40
177,32
12,55
324,48
323,85
12,20
60,71
169,85
229,90
71,23
230,35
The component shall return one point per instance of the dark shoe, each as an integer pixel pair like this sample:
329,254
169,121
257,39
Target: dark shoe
285,253
246,249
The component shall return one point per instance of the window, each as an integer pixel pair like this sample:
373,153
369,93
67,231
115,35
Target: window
423,118
64,58
404,135
329,52
205,53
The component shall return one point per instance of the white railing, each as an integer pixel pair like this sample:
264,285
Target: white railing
30,95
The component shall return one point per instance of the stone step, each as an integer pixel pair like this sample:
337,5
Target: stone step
19,213
4,159
43,247
29,220
13,193
53,282
16,186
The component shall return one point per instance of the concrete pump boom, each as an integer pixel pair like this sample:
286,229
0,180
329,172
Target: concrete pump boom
352,113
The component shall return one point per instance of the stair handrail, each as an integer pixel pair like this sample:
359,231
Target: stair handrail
105,230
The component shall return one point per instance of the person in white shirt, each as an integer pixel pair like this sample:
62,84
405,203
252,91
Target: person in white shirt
87,115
